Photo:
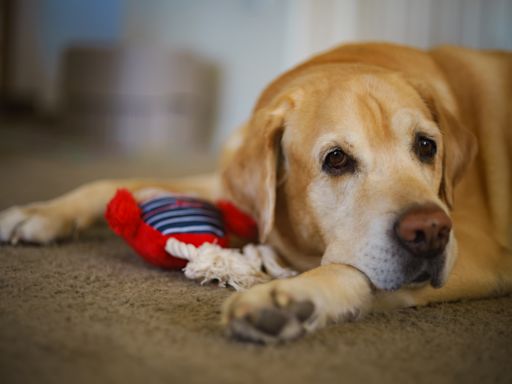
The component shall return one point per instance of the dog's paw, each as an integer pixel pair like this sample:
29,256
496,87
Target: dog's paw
39,223
270,313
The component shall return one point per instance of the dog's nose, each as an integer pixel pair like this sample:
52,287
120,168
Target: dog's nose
424,230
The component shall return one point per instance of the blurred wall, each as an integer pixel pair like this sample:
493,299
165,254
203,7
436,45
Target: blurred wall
422,23
250,41
245,39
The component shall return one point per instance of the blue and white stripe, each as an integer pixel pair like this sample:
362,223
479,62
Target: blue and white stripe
172,215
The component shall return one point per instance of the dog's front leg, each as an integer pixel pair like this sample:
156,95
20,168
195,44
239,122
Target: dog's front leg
46,221
285,309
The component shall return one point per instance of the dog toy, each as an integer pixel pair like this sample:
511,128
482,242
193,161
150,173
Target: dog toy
176,231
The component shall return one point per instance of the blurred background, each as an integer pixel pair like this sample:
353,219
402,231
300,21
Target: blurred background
88,81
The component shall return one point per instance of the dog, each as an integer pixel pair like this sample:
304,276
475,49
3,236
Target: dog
381,172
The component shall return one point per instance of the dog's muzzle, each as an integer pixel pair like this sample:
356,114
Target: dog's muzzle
416,252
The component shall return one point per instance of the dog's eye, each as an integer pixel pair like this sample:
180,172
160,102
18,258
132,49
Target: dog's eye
338,162
425,148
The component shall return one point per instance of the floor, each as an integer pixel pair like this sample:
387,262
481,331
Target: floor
90,311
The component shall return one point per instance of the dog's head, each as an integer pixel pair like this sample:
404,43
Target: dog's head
358,166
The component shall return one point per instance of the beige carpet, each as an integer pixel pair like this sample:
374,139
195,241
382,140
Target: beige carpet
90,311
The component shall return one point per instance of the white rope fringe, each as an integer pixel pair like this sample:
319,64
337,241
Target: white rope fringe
240,269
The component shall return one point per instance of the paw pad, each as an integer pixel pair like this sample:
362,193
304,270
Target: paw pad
278,320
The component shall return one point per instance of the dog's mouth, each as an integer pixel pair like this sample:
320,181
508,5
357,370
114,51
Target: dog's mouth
432,275
422,277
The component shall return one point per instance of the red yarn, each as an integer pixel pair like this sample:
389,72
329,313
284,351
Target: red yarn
123,214
237,222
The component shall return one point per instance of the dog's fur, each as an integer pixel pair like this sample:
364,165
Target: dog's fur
370,100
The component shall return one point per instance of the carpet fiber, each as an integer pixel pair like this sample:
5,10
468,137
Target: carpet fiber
90,311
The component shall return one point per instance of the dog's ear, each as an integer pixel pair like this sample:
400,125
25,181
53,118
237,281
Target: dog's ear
249,174
459,144
460,148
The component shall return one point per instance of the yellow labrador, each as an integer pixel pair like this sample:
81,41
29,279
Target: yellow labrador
359,166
